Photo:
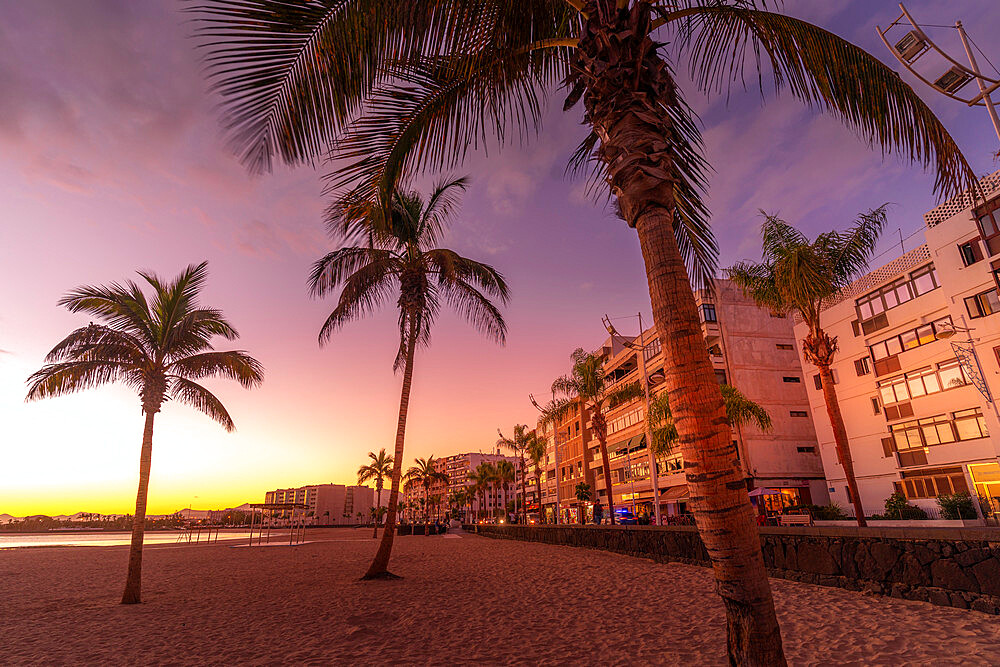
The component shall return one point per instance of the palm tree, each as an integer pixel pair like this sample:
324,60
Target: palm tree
583,495
437,77
506,475
798,275
740,411
456,499
401,258
519,446
156,345
379,468
588,386
536,452
425,473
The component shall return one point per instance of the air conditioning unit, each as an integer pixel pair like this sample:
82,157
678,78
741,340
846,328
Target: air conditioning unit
911,46
953,80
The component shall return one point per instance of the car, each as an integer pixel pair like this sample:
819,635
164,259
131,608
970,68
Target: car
627,519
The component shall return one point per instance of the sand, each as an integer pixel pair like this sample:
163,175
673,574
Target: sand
462,600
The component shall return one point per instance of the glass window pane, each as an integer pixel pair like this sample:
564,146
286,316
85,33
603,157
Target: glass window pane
893,346
945,434
903,292
909,339
930,435
901,441
988,224
916,386
931,384
951,376
879,351
990,302
865,310
890,298
888,395
877,305
925,334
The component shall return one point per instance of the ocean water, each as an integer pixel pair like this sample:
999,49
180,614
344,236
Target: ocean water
101,539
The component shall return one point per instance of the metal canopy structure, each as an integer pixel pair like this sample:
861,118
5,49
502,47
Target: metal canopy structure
908,48
296,521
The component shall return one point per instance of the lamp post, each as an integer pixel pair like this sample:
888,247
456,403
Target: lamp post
641,354
965,351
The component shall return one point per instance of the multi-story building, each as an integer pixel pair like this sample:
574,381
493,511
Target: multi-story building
457,468
917,397
329,504
754,351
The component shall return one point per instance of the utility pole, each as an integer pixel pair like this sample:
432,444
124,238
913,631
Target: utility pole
990,109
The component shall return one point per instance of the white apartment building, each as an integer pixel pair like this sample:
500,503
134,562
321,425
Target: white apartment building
458,467
329,504
916,396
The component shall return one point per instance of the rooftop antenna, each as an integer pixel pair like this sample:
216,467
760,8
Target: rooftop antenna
915,43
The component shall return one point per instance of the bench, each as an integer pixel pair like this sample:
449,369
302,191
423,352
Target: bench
795,520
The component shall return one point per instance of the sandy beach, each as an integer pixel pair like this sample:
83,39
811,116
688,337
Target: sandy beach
464,599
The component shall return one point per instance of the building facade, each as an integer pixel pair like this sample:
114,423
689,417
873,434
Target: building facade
329,504
916,394
458,467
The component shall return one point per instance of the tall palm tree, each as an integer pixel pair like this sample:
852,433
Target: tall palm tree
426,474
798,275
505,476
379,468
158,345
475,491
397,84
587,386
536,452
400,258
456,499
519,446
484,476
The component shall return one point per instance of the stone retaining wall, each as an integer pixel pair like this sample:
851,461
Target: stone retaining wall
956,568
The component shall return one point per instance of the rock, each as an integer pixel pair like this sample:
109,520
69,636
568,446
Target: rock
987,573
958,600
945,573
983,605
814,558
939,597
972,556
912,572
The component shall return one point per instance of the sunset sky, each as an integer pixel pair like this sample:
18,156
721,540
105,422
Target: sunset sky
112,159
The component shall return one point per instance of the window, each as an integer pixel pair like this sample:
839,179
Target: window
798,413
908,340
784,346
806,450
893,391
876,408
950,374
897,292
924,280
856,326
969,252
708,312
939,430
969,424
988,224
720,376
982,304
932,482
789,378
863,366
818,381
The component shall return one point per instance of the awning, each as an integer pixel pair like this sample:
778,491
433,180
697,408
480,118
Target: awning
636,442
764,492
674,493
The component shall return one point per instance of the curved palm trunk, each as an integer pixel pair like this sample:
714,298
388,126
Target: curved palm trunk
378,568
524,493
627,88
602,438
133,581
840,437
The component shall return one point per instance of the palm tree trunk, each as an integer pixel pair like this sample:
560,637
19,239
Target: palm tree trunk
626,89
133,581
602,439
840,437
538,490
379,567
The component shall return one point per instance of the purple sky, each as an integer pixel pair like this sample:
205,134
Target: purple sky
111,159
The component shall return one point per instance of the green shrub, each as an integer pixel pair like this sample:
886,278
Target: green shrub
897,508
956,506
831,512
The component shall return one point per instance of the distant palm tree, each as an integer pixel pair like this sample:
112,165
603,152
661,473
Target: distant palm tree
456,499
583,495
488,471
156,346
425,473
536,452
798,275
379,468
506,475
400,258
587,385
740,410
519,445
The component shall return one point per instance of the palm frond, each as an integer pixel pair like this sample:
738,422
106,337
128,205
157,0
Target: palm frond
556,410
194,395
233,364
364,291
99,341
826,71
71,376
740,410
335,267
624,394
853,249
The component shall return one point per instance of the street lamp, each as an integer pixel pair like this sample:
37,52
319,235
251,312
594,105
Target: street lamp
965,351
915,43
640,350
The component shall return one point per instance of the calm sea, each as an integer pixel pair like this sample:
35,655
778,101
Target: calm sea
96,539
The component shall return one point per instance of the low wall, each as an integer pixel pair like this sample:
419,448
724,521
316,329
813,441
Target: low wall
949,567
